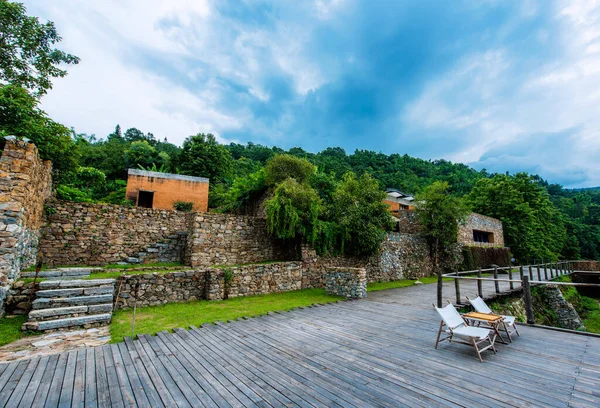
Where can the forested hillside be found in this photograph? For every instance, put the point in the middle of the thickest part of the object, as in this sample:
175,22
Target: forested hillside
541,221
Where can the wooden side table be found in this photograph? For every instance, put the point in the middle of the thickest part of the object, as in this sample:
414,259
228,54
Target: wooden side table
494,322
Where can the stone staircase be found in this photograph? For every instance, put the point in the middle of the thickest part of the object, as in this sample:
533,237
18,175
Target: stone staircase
60,274
62,301
170,250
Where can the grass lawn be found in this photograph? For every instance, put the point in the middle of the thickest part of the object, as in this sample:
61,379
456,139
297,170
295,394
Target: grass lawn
152,319
402,283
10,329
138,269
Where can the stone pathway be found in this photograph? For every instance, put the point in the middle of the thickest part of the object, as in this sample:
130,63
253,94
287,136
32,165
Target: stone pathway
53,343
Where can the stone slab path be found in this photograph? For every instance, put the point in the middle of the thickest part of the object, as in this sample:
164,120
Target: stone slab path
53,343
373,352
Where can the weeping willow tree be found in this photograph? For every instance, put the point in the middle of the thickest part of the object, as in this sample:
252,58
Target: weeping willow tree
293,212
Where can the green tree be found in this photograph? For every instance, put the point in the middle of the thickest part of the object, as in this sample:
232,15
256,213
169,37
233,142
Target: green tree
359,215
27,54
21,116
440,214
142,155
203,156
533,228
293,212
245,193
284,166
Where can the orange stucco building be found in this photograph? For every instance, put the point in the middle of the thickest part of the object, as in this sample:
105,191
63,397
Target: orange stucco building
152,189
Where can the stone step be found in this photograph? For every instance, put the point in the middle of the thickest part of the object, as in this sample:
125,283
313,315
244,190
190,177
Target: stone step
47,303
68,322
52,274
71,292
66,312
89,283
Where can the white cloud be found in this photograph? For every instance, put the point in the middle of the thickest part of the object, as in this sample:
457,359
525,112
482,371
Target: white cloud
109,86
104,89
496,104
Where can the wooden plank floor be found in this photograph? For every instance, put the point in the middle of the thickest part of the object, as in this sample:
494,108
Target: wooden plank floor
374,352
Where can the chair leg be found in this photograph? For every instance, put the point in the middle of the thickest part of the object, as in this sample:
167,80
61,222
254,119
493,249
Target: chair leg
516,330
437,341
474,343
492,344
507,332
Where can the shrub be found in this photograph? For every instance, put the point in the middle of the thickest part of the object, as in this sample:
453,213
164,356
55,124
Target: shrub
183,206
284,166
72,194
476,257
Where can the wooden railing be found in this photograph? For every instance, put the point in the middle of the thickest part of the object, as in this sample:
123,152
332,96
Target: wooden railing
545,273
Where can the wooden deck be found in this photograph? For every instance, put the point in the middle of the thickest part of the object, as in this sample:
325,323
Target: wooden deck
375,352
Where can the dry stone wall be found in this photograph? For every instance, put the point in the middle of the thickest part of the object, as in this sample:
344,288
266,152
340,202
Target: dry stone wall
252,280
402,256
350,283
151,289
99,234
25,183
408,223
218,239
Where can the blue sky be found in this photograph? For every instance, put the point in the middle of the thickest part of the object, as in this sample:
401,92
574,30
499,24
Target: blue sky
502,85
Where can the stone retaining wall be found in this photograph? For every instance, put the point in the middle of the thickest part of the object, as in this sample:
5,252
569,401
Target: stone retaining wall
159,288
25,183
562,313
402,256
408,223
350,283
219,239
17,299
99,234
252,280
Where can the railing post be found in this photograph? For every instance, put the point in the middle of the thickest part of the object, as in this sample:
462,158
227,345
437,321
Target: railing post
457,287
496,283
546,271
479,284
510,278
551,271
539,272
530,273
521,274
527,300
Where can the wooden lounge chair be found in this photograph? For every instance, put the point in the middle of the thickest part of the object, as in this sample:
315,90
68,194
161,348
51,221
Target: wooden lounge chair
508,321
459,332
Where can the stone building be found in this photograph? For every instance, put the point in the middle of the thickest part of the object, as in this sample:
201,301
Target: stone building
483,231
151,189
478,230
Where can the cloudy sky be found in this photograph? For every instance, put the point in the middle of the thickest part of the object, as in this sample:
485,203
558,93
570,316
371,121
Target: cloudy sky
497,84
